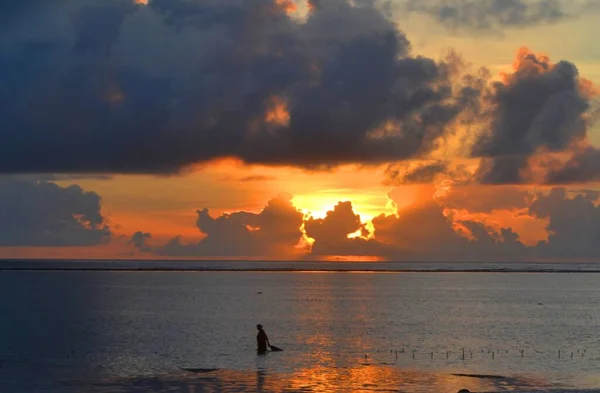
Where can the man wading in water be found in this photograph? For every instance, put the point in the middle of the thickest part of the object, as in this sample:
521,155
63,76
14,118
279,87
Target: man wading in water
262,339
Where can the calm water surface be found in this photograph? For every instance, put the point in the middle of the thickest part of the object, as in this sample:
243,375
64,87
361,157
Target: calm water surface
135,331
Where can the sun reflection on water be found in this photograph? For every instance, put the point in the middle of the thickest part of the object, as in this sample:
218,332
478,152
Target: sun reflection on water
316,379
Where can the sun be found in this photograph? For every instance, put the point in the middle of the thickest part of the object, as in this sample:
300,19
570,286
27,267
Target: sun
317,205
366,205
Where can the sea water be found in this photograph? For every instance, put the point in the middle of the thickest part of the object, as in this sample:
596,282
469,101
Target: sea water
130,331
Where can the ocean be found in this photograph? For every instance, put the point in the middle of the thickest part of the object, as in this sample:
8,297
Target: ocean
429,328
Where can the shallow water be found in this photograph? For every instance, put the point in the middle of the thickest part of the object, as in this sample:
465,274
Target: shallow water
134,331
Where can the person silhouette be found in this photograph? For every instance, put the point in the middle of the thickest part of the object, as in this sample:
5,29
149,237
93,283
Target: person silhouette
261,339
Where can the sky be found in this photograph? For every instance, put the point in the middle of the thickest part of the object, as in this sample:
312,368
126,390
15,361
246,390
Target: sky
401,130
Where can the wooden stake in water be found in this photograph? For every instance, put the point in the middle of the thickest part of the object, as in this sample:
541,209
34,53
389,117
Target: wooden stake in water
559,353
463,354
493,355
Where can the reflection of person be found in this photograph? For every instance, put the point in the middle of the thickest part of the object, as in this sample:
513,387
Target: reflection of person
262,339
260,380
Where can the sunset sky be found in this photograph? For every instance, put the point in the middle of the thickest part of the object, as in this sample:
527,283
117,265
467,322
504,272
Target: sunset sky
421,130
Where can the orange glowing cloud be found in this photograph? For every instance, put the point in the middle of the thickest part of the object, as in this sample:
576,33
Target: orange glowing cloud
528,61
277,113
141,2
288,6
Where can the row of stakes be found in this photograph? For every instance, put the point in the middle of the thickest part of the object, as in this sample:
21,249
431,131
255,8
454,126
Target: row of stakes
560,353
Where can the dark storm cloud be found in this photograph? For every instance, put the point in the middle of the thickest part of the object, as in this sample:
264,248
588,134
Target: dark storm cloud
98,25
494,15
45,214
11,12
539,106
125,88
504,170
582,167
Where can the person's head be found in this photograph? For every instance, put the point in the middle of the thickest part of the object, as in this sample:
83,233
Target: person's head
259,326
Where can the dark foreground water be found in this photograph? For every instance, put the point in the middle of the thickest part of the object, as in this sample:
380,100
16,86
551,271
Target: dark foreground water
74,331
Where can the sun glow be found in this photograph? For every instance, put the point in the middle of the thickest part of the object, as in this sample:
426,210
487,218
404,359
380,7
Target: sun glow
318,204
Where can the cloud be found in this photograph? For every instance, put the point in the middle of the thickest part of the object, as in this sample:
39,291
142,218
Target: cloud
441,232
423,229
98,24
40,214
337,225
486,199
539,108
331,234
248,179
448,228
139,241
574,224
12,12
415,174
60,177
530,127
162,86
496,15
582,167
430,234
275,231
110,86
256,178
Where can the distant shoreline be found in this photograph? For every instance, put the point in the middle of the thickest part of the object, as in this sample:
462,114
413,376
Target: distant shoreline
291,270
